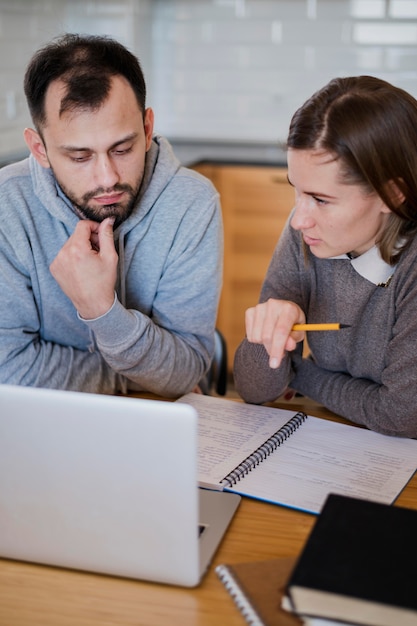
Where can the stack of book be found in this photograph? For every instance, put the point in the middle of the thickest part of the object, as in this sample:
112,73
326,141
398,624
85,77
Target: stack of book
358,566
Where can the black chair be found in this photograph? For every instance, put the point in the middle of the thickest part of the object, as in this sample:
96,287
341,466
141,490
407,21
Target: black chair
216,377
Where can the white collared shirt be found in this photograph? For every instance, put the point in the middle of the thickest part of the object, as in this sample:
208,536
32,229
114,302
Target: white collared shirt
371,266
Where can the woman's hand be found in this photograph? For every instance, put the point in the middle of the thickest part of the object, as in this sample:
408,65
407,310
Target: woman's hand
270,324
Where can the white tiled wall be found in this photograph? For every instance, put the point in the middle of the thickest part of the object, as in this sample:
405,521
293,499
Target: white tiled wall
219,69
238,69
25,25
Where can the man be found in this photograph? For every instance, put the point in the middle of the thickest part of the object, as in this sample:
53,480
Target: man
110,251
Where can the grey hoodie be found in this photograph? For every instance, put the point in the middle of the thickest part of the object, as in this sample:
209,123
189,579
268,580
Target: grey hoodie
158,336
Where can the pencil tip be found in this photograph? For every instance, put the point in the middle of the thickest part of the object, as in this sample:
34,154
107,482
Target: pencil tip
344,325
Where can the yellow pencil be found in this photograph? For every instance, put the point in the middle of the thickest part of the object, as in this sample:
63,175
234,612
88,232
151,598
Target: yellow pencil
319,326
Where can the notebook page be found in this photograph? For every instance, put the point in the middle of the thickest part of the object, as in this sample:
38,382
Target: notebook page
323,457
228,432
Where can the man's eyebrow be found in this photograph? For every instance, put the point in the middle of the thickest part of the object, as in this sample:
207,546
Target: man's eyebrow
119,142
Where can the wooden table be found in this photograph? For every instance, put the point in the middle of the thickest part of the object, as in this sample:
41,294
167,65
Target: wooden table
46,596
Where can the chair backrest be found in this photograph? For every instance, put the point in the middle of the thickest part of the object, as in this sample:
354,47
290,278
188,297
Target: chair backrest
218,368
216,377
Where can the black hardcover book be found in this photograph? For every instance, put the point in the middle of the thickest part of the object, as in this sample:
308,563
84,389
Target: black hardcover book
359,564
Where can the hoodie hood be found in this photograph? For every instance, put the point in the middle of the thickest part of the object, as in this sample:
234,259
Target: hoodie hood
161,165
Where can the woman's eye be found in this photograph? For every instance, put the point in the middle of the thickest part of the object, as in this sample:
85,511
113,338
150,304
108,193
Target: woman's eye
319,200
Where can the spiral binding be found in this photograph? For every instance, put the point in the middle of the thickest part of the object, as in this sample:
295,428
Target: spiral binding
261,453
239,598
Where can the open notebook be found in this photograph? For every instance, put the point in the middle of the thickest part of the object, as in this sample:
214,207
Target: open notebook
106,484
294,459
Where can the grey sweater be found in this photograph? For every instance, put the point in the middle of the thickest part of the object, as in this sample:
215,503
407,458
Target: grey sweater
159,334
366,373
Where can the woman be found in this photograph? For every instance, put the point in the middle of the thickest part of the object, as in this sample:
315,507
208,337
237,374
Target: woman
348,254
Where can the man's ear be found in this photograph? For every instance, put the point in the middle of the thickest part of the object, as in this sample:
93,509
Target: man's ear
36,146
148,126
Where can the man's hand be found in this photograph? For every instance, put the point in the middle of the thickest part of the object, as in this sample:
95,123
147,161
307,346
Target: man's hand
270,324
86,267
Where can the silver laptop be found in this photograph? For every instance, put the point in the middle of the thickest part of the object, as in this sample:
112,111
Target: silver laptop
106,484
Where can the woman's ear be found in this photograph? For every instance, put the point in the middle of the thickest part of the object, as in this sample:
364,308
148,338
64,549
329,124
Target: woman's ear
36,146
394,192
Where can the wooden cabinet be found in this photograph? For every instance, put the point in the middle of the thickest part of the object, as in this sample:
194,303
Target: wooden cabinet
256,201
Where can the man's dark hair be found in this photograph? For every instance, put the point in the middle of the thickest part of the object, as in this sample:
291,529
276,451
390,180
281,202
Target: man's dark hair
86,65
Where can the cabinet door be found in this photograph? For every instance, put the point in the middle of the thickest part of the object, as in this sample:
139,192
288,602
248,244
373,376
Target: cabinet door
256,201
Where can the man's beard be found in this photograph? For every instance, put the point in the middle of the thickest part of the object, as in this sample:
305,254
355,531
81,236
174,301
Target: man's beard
97,214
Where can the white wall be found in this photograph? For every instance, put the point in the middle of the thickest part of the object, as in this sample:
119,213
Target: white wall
219,69
238,69
25,25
